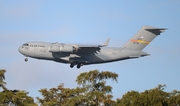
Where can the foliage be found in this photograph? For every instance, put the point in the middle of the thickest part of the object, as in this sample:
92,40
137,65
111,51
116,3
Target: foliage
153,97
59,96
2,78
13,97
97,92
92,91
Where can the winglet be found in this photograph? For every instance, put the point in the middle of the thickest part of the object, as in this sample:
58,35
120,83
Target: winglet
107,42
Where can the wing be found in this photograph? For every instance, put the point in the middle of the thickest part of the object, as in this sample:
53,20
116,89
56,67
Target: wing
90,48
85,54
60,47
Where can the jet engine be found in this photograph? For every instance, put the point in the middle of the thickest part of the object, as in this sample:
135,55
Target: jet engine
66,48
61,48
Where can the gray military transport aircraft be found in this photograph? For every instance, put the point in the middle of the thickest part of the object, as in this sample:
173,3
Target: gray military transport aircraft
78,54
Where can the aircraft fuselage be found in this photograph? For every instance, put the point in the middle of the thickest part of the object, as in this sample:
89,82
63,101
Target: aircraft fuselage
78,54
41,50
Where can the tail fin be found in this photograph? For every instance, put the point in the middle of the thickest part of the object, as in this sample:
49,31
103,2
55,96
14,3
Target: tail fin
143,37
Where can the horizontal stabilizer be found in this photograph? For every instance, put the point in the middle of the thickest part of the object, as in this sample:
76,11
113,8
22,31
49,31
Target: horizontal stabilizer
156,31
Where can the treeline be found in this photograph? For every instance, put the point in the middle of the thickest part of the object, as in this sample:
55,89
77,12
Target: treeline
92,90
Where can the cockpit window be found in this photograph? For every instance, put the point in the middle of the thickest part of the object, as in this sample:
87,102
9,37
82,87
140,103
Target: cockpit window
25,44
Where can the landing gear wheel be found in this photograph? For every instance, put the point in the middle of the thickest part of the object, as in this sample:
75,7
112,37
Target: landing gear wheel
26,59
78,65
71,65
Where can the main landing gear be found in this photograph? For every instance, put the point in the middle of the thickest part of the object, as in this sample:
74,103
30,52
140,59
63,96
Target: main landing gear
78,65
72,65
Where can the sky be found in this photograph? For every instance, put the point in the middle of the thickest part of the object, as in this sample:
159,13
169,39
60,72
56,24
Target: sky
89,22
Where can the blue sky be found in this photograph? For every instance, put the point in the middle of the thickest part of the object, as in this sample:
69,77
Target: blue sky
90,22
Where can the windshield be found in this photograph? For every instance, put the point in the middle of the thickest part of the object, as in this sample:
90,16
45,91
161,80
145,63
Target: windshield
25,44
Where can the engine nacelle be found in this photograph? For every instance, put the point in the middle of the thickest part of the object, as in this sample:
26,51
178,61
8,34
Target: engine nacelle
66,48
61,48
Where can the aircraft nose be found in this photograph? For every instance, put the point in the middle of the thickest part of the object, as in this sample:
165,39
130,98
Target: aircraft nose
20,49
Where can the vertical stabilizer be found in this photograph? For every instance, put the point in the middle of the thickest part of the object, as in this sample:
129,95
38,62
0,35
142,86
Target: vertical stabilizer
143,37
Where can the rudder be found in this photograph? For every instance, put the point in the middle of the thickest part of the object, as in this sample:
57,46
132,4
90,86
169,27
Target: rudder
143,37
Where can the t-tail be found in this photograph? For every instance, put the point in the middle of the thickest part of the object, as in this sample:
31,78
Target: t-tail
143,37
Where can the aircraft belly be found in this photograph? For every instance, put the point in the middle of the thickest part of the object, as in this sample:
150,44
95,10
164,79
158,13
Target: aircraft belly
94,58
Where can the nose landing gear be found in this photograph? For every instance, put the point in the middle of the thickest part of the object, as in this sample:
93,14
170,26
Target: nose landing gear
26,59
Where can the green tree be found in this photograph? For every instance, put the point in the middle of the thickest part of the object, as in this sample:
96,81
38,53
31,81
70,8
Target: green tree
13,97
174,99
153,97
156,96
61,96
2,78
131,98
16,98
92,91
96,90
